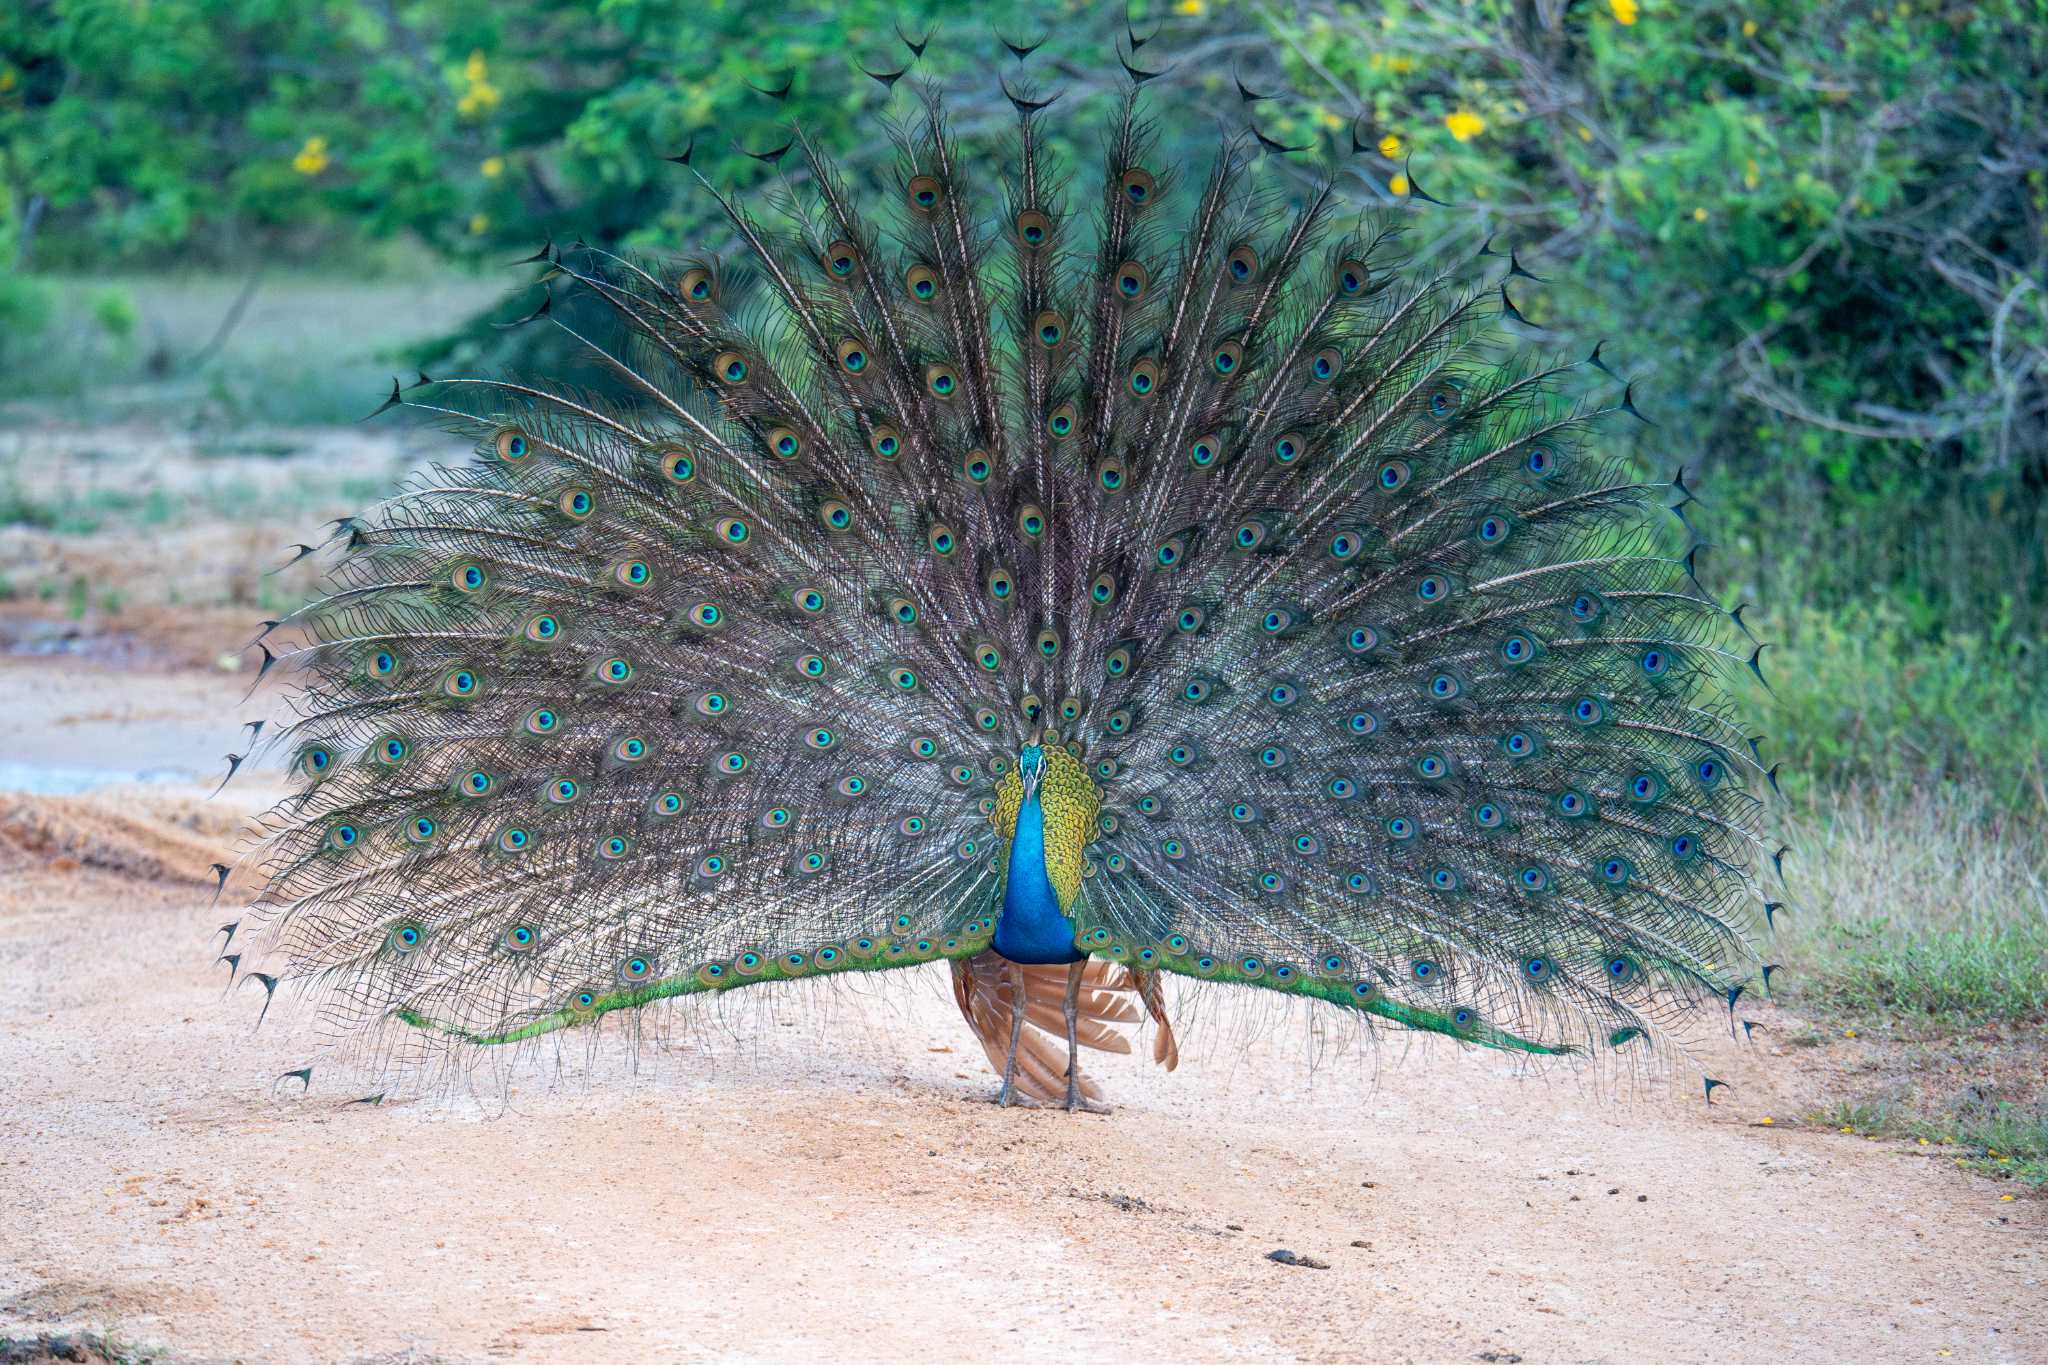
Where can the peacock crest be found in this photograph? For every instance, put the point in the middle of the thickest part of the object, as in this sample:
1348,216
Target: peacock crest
1338,658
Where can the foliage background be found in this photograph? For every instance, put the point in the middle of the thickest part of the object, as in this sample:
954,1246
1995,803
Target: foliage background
1814,234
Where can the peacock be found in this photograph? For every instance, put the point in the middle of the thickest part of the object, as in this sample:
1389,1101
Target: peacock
1079,582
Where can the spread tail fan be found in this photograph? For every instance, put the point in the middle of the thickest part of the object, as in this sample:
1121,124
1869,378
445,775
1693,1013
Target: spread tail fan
1143,556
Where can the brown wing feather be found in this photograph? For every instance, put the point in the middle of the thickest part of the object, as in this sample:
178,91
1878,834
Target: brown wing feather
981,986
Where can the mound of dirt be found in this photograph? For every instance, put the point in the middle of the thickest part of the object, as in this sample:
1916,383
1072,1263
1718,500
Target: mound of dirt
132,834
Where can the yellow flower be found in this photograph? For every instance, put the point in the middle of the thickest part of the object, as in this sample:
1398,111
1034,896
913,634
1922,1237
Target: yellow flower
1399,184
476,71
1767,1120
7,79
1700,216
1585,133
493,167
479,224
2005,1199
1464,125
1751,174
1329,120
1749,28
1624,11
312,158
1190,6
1401,65
477,99
1390,146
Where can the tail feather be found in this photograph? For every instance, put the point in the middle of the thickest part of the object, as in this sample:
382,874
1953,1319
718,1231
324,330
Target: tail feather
1391,689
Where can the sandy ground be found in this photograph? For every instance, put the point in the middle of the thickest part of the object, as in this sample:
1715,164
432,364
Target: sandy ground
824,1173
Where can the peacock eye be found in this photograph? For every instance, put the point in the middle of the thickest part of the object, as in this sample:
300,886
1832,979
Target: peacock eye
840,259
923,283
1227,358
1132,280
852,355
925,193
1242,264
886,441
731,367
1061,423
785,442
1138,186
1350,277
512,446
697,285
941,380
1144,377
1034,229
677,466
1050,328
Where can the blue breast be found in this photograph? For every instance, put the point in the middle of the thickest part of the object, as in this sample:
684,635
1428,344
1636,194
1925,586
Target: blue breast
1031,927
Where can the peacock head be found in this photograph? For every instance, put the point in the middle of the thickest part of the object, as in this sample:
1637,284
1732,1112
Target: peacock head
1031,769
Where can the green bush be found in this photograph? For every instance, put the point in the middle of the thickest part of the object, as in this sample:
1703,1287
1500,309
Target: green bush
1862,697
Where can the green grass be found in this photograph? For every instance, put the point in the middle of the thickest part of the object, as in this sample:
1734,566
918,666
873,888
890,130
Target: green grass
309,349
1920,923
1926,907
2005,1140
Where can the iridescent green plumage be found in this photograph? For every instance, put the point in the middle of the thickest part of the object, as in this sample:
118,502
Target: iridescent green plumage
1393,690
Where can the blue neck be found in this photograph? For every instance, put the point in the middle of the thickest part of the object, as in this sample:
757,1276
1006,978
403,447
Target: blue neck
1031,927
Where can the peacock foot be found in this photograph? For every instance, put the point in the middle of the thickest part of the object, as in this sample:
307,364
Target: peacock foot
1010,1097
1077,1103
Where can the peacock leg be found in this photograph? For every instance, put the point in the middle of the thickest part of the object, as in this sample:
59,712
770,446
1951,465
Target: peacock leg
1007,1094
1072,1010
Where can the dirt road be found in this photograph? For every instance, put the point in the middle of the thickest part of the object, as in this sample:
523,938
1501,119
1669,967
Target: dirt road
822,1173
